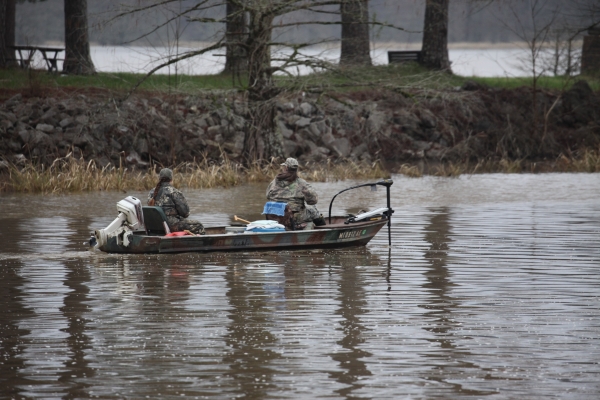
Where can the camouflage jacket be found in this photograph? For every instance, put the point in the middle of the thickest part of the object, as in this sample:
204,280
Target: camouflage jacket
171,200
294,193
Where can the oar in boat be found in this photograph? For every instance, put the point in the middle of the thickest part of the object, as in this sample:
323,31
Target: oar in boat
236,218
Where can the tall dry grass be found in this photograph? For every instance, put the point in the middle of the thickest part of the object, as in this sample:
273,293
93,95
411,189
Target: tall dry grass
69,174
587,160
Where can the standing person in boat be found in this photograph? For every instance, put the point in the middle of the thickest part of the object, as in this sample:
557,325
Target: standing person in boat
300,197
173,204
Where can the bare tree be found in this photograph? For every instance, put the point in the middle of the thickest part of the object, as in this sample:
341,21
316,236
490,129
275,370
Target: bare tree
561,26
356,46
265,54
7,33
77,46
533,26
434,52
236,60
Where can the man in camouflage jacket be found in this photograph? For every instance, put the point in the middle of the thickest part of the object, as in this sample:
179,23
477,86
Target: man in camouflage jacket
174,205
297,193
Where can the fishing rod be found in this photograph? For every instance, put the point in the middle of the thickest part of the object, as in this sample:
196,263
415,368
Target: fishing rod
384,182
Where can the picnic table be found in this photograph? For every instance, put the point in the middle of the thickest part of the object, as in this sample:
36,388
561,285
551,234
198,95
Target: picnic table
50,54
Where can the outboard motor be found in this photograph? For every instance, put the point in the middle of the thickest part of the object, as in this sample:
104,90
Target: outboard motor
130,218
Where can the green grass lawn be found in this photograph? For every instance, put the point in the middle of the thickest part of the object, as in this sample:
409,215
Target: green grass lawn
544,82
21,79
395,77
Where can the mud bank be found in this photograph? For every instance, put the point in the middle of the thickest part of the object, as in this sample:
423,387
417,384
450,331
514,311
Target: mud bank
468,123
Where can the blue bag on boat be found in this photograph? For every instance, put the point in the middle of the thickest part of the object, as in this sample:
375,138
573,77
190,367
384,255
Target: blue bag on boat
274,207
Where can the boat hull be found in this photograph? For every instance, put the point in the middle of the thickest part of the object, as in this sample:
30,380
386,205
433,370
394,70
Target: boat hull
329,236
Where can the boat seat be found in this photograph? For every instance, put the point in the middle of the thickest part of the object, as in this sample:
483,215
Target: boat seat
155,220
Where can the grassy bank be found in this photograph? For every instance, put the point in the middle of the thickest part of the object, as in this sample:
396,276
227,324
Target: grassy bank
73,175
70,175
545,82
395,77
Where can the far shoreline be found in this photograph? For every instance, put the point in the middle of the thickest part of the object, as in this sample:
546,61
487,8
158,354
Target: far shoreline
374,45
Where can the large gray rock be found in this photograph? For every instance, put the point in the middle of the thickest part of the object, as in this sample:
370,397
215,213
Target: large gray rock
66,122
115,145
213,131
35,138
306,109
291,148
82,119
5,124
408,122
45,128
283,129
428,120
84,141
239,139
50,117
303,122
342,146
13,101
359,150
327,139
375,122
8,116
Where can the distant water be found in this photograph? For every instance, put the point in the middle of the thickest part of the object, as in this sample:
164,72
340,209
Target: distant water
465,62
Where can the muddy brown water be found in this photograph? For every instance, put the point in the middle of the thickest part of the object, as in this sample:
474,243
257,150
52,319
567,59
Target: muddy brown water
490,290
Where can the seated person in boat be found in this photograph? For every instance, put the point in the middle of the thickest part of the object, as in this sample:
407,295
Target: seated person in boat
300,197
173,204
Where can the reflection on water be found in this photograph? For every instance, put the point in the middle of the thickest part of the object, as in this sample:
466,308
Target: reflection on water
12,334
446,358
490,289
351,298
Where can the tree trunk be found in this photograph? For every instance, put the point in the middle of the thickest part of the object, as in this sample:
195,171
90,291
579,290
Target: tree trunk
7,33
77,46
260,74
356,49
236,60
590,55
434,53
263,141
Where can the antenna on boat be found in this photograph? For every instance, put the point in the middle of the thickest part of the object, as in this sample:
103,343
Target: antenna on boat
384,182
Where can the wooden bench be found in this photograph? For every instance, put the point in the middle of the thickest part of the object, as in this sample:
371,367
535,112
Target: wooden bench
403,56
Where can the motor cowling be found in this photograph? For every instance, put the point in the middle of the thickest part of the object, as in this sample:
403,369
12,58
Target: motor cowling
129,219
132,208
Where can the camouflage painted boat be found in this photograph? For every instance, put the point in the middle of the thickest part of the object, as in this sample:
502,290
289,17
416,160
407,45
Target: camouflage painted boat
140,229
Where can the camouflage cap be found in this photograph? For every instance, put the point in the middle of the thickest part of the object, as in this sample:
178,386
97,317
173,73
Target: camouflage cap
291,163
166,173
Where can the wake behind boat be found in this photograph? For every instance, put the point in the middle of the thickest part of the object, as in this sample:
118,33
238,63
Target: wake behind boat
143,229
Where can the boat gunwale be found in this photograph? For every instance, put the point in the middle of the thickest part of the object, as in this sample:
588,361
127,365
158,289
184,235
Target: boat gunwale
324,228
